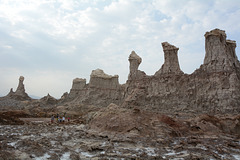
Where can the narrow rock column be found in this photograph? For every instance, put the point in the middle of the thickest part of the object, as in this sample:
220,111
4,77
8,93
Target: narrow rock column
20,89
171,64
134,61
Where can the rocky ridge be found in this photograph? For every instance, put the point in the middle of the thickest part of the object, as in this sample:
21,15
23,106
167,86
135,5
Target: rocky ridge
213,88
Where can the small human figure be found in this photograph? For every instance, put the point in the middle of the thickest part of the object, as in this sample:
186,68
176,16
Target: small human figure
52,119
63,119
60,119
68,119
57,116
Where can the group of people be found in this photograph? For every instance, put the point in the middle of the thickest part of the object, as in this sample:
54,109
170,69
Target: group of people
59,119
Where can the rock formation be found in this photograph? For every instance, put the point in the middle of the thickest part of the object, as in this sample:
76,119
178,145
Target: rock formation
99,79
20,93
220,53
48,99
171,64
213,88
78,88
101,90
135,61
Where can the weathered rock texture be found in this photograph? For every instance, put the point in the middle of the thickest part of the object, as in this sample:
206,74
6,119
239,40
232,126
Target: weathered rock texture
102,90
78,88
171,64
48,99
214,87
220,53
99,79
20,93
135,61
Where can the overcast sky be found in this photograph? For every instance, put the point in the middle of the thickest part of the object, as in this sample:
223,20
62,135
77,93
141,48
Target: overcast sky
51,42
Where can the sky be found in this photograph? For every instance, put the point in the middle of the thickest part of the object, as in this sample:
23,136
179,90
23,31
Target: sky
52,42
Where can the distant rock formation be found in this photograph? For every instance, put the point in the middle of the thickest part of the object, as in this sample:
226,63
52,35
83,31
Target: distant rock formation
48,99
20,93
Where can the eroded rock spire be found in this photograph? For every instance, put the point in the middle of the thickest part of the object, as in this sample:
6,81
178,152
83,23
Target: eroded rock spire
20,89
171,64
135,61
20,92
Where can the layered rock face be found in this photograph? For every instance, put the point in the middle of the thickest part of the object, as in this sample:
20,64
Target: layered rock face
220,53
78,88
20,93
99,79
214,87
102,90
